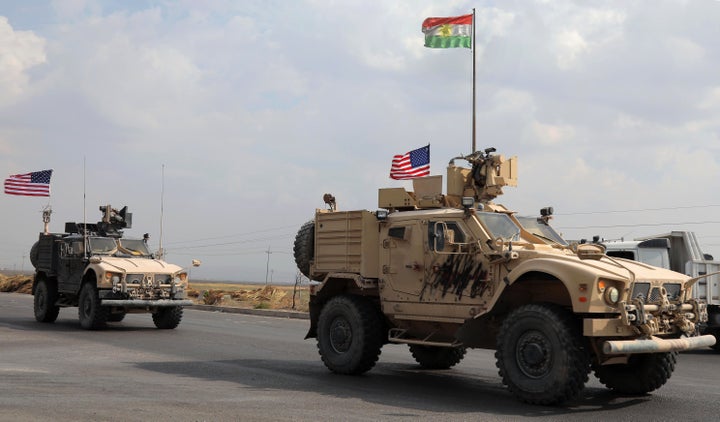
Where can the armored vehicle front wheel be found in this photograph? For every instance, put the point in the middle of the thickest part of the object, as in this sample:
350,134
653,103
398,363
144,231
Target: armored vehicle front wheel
642,374
540,355
434,357
168,318
91,314
349,334
44,301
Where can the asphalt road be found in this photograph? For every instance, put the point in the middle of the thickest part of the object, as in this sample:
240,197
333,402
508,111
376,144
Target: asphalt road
218,367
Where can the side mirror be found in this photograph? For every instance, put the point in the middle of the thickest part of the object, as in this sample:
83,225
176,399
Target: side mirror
436,237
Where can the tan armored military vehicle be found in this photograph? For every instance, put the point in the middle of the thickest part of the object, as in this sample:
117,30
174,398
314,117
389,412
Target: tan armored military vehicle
93,267
446,272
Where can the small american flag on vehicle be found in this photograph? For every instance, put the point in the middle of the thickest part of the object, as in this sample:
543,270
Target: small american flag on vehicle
410,165
36,183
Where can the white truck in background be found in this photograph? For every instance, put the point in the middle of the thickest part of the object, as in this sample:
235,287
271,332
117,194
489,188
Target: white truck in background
678,251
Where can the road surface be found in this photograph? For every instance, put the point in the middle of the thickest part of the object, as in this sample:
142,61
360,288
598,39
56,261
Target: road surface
218,367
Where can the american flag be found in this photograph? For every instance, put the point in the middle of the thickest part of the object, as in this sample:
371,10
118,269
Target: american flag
410,165
36,183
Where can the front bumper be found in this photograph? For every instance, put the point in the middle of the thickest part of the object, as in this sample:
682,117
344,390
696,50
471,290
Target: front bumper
142,303
656,345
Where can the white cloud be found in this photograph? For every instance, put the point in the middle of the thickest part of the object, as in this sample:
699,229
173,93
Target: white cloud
580,30
19,52
548,134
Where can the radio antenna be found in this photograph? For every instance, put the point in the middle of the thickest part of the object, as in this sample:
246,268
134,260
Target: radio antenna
161,252
85,240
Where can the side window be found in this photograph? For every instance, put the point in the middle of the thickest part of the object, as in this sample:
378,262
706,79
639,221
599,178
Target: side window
458,234
77,248
397,232
446,236
622,254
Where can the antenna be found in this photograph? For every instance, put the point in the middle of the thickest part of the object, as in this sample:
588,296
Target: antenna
161,252
85,241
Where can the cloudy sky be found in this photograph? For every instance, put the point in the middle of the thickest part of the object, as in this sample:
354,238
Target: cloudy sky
244,113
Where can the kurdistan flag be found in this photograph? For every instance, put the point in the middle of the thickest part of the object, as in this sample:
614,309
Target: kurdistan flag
449,32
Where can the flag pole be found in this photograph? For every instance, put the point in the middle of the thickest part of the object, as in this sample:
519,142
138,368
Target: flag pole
473,83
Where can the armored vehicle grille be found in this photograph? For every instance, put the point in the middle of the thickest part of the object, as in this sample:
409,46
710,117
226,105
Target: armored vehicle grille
640,291
645,294
673,291
655,295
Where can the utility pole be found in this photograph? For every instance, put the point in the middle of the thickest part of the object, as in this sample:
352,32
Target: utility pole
267,266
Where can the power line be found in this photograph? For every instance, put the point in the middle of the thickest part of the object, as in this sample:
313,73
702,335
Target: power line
239,242
638,210
233,235
639,225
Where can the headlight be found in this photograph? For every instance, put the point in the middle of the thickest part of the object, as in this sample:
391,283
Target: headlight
612,296
610,293
111,277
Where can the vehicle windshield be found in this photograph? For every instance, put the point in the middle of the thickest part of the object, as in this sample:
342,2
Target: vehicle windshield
500,225
539,228
117,247
102,245
136,247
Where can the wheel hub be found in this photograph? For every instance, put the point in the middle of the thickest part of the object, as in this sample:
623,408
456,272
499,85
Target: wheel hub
86,307
340,335
533,354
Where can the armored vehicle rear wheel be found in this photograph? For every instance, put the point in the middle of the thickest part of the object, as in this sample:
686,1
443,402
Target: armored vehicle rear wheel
304,247
642,374
349,334
44,301
434,357
168,318
91,314
540,355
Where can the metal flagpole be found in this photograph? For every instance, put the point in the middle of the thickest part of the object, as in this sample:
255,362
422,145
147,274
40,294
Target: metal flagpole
473,83
161,252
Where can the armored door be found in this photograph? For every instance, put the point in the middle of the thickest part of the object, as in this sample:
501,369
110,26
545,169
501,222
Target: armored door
71,266
404,263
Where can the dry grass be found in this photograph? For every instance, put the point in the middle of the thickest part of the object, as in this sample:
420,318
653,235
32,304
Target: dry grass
16,284
249,295
224,294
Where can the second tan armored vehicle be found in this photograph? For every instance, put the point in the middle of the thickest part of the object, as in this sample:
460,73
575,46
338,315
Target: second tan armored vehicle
105,275
447,272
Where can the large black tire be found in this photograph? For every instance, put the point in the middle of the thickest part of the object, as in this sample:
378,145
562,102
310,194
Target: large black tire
434,357
92,315
304,247
642,374
349,334
168,318
44,301
540,355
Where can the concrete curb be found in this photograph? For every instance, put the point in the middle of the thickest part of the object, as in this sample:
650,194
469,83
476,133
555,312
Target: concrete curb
261,312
